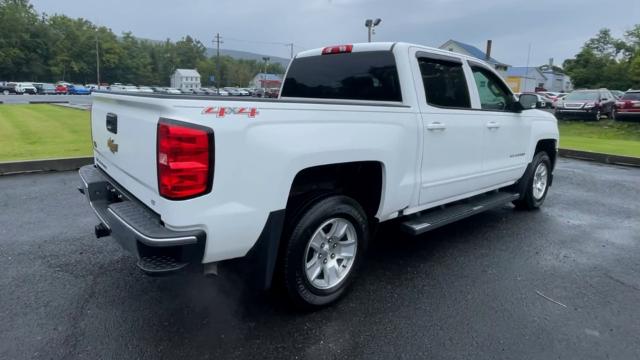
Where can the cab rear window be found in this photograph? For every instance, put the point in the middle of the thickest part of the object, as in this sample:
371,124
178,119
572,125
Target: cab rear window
370,75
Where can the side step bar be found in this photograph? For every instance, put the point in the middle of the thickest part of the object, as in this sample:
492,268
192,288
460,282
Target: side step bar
435,218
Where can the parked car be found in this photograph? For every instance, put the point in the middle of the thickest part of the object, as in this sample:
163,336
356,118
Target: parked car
173,91
186,91
45,89
559,97
233,91
78,90
424,157
617,93
272,93
208,91
199,92
591,104
223,92
628,106
8,88
61,89
159,90
22,88
145,89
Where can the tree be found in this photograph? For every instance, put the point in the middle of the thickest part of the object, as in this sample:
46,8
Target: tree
605,61
37,47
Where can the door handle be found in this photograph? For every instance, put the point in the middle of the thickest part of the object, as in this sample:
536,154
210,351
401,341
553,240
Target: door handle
493,125
436,126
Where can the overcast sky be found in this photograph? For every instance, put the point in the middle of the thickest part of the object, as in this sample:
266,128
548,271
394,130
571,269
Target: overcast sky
555,28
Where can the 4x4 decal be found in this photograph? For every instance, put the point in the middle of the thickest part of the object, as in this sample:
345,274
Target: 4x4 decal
222,111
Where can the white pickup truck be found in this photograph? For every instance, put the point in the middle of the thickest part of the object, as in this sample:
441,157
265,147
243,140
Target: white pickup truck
292,188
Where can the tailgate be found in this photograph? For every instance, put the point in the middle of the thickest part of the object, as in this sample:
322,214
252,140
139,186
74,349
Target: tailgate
124,140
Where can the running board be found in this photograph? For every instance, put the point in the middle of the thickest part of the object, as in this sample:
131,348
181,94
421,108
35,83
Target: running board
435,218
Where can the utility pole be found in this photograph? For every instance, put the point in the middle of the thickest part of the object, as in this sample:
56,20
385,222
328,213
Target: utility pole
217,41
97,62
291,47
266,65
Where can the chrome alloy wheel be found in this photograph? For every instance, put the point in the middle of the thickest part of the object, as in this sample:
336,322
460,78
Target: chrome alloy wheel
330,253
540,181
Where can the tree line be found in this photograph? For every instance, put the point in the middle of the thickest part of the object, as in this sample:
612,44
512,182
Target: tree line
43,48
607,61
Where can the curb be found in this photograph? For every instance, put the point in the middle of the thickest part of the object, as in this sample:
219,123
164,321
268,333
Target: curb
601,158
65,164
48,102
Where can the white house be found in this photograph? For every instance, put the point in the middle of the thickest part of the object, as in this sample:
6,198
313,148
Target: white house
266,81
557,80
525,79
185,79
470,50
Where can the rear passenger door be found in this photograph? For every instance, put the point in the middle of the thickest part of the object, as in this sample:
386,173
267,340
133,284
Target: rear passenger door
452,136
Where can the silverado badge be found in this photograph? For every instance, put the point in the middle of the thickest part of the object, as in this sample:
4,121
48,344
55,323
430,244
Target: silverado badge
112,145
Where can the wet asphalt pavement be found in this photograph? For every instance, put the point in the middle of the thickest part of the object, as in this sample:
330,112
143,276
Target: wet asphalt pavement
478,289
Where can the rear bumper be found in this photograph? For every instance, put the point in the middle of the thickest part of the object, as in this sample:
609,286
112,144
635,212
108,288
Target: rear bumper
138,229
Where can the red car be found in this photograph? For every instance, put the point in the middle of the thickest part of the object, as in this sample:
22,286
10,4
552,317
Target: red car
61,89
628,105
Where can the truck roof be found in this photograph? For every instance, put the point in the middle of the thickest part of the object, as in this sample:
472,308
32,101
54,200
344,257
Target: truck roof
386,46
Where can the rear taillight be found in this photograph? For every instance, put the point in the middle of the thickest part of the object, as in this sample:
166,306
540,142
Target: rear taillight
339,49
185,159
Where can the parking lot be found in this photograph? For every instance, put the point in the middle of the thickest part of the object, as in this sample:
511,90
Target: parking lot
563,282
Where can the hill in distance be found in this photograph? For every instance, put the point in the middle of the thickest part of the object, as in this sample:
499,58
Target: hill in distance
245,55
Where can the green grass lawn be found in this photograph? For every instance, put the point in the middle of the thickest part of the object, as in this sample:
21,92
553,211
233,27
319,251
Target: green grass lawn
604,136
30,132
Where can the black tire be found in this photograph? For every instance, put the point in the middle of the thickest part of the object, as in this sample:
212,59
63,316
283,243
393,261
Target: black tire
294,256
527,200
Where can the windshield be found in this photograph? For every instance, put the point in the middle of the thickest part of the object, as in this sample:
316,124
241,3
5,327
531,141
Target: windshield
582,96
631,96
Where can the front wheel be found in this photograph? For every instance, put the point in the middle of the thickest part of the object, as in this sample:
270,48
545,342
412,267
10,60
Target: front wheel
324,250
536,183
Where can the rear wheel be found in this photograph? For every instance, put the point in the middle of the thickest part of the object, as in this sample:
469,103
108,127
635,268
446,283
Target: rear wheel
536,183
324,250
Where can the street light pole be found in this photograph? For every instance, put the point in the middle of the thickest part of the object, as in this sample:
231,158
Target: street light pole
370,24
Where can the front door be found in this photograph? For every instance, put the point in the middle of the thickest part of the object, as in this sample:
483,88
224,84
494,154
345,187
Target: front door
506,132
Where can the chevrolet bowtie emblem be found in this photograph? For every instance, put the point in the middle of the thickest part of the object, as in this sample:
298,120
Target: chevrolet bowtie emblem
112,145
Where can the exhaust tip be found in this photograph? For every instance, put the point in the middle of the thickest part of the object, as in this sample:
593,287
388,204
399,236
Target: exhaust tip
102,230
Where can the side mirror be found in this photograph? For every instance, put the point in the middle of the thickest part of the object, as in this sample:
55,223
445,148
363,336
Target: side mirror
527,101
